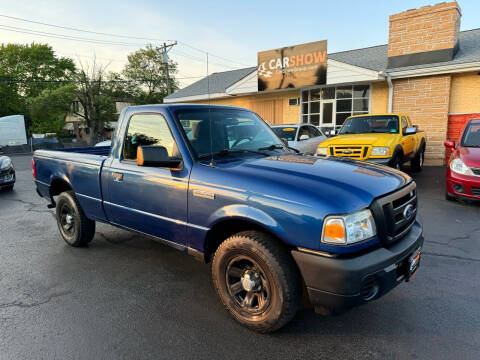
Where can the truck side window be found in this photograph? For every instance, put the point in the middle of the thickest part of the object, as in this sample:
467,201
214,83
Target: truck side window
404,124
148,129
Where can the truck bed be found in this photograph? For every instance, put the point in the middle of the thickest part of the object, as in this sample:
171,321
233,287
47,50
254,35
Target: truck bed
80,168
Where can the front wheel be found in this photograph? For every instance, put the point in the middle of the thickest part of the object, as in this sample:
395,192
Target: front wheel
76,229
417,162
257,281
396,162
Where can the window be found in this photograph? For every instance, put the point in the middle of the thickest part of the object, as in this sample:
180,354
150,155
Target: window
294,102
147,129
314,132
304,132
347,101
387,124
218,130
285,132
404,124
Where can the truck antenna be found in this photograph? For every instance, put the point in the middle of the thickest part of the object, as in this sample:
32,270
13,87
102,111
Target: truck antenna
212,162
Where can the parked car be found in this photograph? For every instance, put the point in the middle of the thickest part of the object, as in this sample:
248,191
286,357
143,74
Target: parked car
104,143
270,220
303,137
463,168
388,139
7,173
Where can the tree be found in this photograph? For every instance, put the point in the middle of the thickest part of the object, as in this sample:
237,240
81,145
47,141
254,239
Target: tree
146,75
98,105
26,71
50,108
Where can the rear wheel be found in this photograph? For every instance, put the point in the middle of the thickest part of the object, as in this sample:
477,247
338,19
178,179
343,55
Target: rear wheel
257,281
76,229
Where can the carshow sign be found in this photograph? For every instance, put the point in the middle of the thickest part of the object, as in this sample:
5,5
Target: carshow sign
293,66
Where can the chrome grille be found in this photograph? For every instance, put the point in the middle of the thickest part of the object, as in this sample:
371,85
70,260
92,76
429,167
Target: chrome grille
393,214
358,152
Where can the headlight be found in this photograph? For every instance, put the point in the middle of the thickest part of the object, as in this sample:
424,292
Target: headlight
380,151
348,229
322,151
6,164
459,167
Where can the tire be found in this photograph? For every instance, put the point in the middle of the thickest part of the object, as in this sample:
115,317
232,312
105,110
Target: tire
449,197
76,229
416,163
396,162
257,281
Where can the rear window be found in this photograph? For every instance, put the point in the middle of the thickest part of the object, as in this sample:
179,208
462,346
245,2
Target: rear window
287,132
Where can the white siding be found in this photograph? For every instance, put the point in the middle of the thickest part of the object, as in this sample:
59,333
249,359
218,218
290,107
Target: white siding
337,73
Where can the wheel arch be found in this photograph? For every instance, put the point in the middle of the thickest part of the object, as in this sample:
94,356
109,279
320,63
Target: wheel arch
59,185
226,227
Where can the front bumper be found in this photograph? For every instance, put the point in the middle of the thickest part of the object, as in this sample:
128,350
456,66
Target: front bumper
384,161
340,283
7,179
470,185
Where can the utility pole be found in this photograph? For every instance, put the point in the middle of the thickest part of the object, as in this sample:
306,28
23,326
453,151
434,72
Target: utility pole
165,50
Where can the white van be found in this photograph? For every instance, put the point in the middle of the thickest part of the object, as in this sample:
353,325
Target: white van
12,131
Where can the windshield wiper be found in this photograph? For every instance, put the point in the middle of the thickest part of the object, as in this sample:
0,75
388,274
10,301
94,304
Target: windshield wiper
226,152
272,147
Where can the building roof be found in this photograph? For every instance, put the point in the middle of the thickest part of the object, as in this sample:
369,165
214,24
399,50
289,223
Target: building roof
373,58
219,82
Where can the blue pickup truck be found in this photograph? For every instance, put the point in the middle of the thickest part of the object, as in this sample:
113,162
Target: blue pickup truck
217,183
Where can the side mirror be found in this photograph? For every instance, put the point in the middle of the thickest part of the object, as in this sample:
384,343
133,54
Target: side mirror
449,144
156,156
411,130
304,137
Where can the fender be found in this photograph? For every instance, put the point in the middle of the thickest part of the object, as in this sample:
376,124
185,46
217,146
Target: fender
247,213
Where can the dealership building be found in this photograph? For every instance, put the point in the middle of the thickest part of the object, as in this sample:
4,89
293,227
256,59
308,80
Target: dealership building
429,70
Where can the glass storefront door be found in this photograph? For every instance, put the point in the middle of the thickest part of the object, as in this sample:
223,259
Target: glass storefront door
328,121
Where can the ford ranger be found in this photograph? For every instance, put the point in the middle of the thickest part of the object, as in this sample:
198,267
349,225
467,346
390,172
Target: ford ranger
217,183
388,139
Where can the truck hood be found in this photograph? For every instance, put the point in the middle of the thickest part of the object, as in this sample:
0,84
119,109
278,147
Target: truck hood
345,185
360,139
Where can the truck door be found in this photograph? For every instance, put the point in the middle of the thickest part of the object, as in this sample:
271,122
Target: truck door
408,141
151,200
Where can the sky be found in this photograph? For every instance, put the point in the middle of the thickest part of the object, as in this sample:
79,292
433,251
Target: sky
232,32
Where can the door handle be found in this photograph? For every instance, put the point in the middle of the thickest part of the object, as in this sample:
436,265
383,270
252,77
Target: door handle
117,176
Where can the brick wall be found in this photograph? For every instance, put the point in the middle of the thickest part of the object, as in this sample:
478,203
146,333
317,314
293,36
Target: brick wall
425,29
426,101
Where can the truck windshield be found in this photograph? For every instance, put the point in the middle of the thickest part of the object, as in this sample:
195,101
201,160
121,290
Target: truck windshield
471,137
227,131
370,124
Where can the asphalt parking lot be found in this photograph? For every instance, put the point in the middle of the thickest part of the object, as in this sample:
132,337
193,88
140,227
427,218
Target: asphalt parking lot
126,296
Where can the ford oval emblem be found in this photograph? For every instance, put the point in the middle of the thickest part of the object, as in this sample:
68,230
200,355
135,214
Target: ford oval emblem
408,212
347,151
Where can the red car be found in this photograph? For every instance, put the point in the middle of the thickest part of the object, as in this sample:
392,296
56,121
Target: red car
463,170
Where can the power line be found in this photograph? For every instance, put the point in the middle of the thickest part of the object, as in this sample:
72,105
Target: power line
120,36
80,30
65,37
